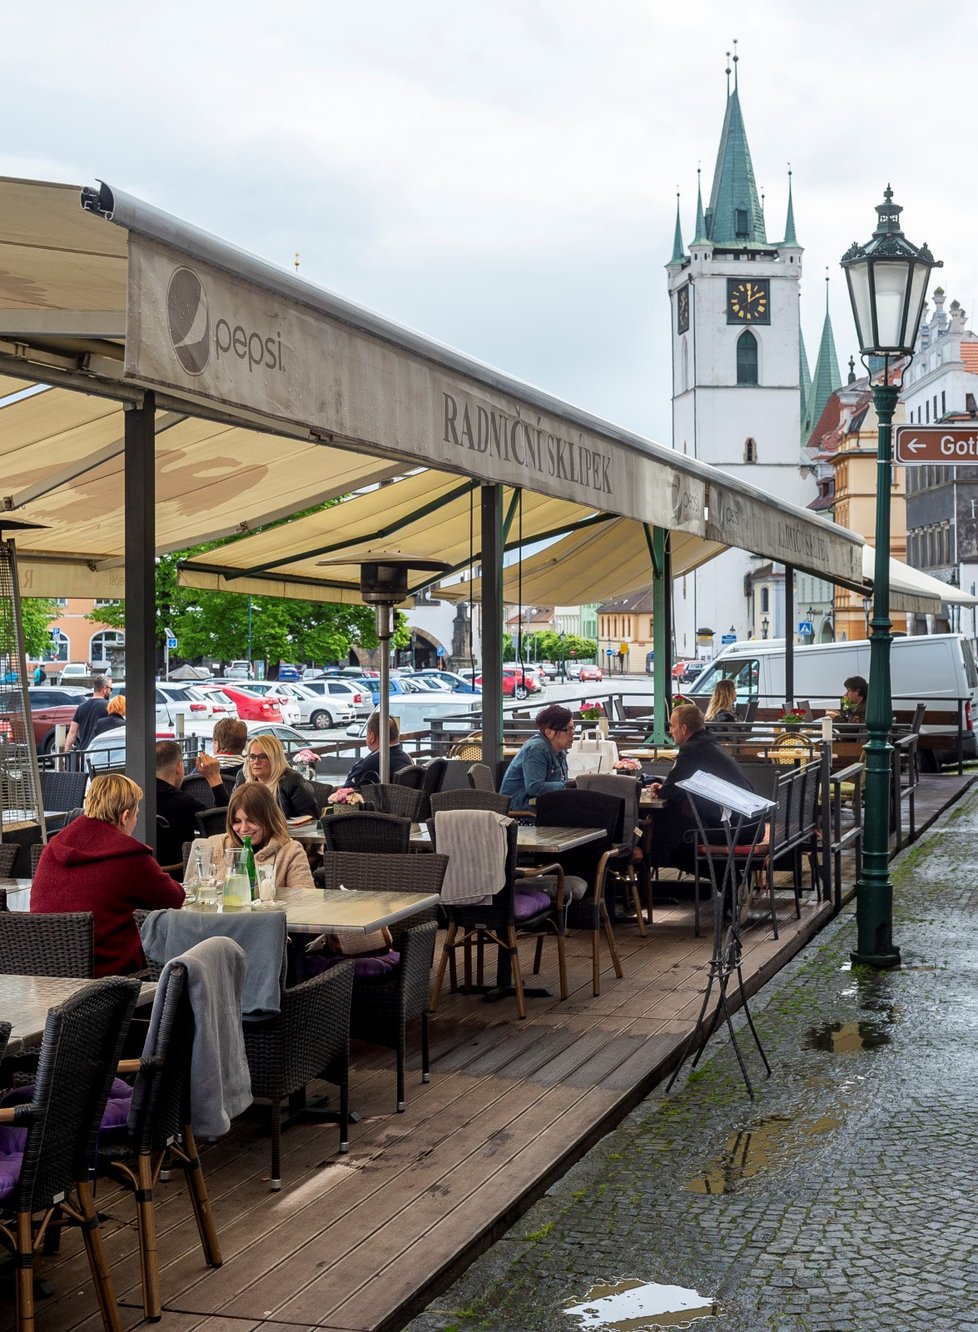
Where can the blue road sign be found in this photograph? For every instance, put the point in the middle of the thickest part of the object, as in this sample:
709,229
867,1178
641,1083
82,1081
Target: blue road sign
171,643
806,628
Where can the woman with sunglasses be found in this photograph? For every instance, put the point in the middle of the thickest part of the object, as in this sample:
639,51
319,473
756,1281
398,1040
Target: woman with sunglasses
266,763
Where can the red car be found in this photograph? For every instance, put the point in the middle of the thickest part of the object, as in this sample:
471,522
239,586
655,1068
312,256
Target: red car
516,681
253,707
591,673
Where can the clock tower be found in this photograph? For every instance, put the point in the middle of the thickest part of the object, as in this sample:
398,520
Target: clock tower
736,355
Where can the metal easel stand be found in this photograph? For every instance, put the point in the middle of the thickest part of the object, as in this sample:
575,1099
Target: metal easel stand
728,890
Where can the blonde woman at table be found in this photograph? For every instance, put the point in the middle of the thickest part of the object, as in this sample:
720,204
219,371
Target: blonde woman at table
723,702
95,864
266,764
253,812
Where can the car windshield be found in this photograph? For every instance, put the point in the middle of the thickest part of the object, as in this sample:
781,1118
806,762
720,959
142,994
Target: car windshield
745,673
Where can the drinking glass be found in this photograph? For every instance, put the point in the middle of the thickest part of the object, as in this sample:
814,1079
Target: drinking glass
237,884
266,882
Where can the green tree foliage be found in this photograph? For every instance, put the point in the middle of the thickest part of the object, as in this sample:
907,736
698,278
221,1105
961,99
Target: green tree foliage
37,616
214,625
546,645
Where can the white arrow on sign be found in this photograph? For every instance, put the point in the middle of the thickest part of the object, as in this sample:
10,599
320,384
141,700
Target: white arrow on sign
913,445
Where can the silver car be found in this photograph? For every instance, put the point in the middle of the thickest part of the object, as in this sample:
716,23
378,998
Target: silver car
334,695
321,709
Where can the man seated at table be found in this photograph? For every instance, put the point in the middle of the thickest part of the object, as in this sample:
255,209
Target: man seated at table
366,770
699,751
853,702
176,811
230,738
541,764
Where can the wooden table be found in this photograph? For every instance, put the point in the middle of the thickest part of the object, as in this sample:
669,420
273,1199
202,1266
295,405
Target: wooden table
316,911
25,1000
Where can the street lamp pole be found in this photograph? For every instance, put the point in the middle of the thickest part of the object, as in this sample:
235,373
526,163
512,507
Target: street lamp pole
887,279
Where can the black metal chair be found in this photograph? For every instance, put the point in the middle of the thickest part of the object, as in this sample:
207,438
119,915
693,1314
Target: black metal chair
621,867
310,1038
469,798
588,809
159,1127
367,831
383,1006
79,1053
56,944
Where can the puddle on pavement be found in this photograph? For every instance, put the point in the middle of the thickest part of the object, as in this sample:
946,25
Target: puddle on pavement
631,1306
847,1037
770,1142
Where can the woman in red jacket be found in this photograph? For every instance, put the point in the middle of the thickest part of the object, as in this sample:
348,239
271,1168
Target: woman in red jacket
95,864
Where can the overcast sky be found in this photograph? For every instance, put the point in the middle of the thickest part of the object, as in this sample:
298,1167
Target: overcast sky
502,175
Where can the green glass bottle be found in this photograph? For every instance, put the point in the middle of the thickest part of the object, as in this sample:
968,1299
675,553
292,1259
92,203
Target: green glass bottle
252,872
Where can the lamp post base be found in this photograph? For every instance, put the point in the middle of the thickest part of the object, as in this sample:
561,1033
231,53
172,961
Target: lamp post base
881,961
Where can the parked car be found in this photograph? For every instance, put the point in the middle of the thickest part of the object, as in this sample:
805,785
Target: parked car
195,722
287,673
192,701
74,672
335,695
453,680
281,696
572,669
239,670
108,748
252,707
50,707
516,682
692,671
590,673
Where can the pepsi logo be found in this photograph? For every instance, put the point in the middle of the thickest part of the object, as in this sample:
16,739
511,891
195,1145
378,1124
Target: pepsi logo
188,317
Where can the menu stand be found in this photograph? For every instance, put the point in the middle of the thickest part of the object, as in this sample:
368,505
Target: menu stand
742,822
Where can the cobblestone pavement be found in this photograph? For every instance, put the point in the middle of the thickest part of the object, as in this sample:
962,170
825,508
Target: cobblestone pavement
843,1198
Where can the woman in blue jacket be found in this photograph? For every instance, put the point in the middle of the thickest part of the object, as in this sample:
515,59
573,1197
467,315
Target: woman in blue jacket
541,765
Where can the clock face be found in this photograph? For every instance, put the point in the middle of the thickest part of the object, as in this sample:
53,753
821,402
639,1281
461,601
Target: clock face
748,301
682,309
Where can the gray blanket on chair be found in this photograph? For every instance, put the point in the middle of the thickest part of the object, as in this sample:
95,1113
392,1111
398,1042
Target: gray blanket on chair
166,934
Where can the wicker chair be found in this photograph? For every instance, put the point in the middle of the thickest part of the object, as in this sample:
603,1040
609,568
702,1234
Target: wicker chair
621,868
322,792
588,809
79,1053
4,1037
500,921
469,748
61,791
383,1007
480,777
391,798
310,1038
159,1126
58,944
198,787
36,849
367,831
469,798
212,821
9,851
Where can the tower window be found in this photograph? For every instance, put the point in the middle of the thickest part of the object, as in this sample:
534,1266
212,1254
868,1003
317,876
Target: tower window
750,450
741,221
746,358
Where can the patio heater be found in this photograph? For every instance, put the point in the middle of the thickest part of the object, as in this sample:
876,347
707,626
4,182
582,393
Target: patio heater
21,808
887,280
383,584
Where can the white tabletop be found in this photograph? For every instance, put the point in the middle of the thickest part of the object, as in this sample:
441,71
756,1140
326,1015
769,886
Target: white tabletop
531,838
316,911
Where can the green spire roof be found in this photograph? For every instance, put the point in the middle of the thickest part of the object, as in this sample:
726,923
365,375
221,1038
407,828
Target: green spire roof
804,381
826,378
734,217
700,233
678,253
789,226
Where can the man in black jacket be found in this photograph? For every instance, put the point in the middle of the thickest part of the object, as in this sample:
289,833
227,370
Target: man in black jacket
366,770
176,811
699,751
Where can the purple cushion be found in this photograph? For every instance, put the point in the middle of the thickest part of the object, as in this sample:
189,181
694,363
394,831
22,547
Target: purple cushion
117,1106
530,904
10,1163
371,966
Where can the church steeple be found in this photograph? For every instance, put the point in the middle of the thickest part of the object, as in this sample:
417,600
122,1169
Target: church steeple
678,251
700,236
826,378
735,217
789,226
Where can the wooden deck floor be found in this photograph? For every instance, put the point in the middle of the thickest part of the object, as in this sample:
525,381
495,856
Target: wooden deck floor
360,1241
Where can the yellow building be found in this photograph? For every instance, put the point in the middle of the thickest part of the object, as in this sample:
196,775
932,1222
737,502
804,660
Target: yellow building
625,626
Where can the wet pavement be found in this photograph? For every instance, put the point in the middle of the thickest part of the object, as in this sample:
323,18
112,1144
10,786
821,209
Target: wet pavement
843,1198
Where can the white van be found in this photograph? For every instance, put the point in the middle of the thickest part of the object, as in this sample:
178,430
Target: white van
938,669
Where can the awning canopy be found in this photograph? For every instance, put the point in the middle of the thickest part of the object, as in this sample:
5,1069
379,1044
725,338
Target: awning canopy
914,591
272,396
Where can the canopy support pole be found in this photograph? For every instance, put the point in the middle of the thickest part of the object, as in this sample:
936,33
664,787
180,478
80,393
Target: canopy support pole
140,593
789,637
658,542
492,624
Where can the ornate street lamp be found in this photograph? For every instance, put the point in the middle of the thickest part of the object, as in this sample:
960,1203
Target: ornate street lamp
887,280
765,625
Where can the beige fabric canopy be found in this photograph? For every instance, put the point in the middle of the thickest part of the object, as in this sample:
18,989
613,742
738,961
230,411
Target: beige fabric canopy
912,589
328,400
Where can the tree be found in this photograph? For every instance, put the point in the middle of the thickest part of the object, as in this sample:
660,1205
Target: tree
37,615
